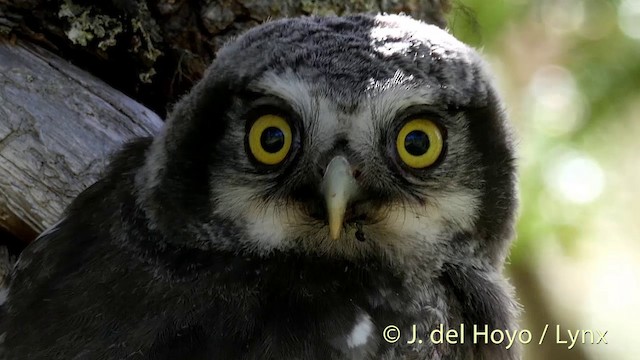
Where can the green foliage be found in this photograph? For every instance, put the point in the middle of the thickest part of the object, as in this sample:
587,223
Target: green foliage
479,23
583,38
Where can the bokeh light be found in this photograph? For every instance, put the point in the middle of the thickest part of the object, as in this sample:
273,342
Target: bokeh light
629,18
570,74
575,177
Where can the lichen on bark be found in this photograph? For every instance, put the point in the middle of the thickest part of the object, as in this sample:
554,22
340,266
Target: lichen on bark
85,26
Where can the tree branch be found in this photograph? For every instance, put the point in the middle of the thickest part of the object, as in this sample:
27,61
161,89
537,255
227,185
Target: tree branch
58,124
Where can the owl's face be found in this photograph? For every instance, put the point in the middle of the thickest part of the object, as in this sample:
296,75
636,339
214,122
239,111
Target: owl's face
350,137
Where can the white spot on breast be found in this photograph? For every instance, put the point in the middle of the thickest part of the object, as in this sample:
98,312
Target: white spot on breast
361,332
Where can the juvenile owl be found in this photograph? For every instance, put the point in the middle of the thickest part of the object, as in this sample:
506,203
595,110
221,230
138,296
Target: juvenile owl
333,188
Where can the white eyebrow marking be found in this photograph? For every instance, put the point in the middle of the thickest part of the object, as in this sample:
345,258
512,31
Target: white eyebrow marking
317,111
389,102
289,87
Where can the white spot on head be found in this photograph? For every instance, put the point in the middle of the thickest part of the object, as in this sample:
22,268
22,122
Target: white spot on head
361,332
416,31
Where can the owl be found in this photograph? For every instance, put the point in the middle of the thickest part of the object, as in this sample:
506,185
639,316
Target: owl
333,188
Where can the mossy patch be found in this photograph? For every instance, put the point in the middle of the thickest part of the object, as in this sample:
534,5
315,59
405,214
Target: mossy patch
86,27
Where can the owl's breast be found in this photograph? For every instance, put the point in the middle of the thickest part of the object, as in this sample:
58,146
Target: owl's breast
285,308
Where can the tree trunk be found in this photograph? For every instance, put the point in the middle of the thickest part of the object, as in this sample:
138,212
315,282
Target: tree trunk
58,124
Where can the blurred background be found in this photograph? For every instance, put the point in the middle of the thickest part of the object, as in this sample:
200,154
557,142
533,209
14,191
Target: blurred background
570,73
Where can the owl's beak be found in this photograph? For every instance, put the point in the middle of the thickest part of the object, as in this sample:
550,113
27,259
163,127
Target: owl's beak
339,187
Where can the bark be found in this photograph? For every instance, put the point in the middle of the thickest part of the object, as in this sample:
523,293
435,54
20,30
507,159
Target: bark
58,124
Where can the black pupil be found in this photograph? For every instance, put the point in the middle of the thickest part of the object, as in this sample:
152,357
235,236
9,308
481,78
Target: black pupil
416,143
272,139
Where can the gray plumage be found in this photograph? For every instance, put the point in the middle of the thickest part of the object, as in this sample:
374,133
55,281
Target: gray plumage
190,248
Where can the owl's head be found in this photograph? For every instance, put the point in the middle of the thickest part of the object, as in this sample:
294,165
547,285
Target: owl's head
353,137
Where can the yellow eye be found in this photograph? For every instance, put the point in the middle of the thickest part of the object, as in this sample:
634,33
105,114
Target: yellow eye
270,139
419,143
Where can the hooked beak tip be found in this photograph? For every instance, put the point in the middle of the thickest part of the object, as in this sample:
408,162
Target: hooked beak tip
335,227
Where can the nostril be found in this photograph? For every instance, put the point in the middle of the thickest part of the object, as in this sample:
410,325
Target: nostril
357,173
